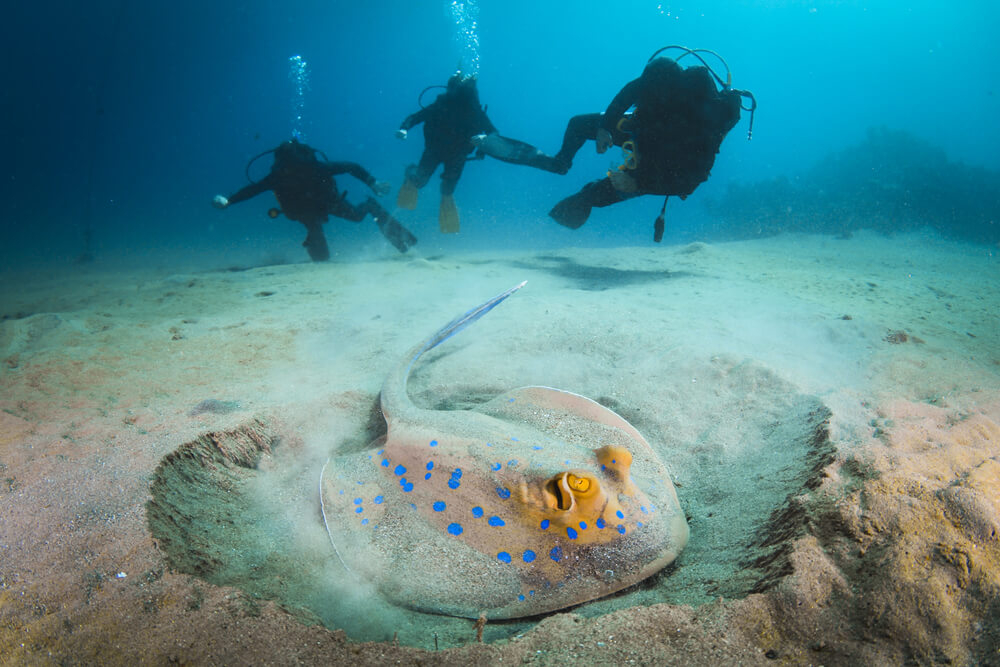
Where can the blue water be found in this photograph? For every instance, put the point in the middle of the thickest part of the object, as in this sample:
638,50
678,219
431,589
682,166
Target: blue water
124,119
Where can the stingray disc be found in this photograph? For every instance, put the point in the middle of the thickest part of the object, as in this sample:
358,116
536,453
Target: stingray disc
535,501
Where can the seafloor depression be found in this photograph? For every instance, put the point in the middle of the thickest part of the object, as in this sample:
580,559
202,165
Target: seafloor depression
240,508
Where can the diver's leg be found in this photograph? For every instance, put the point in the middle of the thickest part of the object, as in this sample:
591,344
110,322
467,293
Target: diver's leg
573,211
416,177
518,152
581,129
315,243
394,232
578,130
342,208
448,221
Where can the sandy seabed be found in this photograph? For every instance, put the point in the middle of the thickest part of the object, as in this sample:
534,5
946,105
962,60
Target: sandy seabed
829,410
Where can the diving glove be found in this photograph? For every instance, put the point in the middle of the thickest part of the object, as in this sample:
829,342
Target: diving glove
381,188
400,133
220,202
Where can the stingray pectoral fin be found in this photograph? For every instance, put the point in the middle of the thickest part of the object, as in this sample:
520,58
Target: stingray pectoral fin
352,506
536,405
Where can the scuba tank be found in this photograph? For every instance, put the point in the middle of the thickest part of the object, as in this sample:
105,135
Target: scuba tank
629,151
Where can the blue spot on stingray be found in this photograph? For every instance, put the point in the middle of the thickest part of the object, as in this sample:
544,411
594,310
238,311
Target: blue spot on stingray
556,553
407,487
455,529
357,501
545,524
621,529
604,467
583,525
359,510
495,466
489,444
495,521
531,592
457,474
427,476
379,452
503,493
378,500
359,483
438,506
477,512
430,465
619,514
341,492
454,483
512,463
528,556
644,510
385,463
434,443
400,470
536,447
600,523
514,439
511,400
364,522
613,461
503,557
639,524
521,598
571,533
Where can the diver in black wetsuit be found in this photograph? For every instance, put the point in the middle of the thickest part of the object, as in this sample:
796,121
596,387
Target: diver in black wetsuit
450,122
307,193
670,140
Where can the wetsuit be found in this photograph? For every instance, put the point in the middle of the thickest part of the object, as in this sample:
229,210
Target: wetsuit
450,122
307,192
678,125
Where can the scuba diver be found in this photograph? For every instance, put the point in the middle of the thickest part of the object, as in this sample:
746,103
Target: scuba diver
450,122
669,140
306,191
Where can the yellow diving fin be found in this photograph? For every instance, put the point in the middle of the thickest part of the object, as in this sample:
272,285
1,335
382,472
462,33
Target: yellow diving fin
407,197
448,215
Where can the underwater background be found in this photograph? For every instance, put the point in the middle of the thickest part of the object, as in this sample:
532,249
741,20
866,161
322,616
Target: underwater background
124,119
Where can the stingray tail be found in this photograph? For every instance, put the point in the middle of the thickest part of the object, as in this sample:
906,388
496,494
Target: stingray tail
462,321
394,390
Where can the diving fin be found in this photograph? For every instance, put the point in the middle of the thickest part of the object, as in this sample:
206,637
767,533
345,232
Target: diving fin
407,197
394,232
448,215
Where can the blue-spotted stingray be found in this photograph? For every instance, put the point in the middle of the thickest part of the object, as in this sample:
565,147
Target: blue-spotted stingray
534,501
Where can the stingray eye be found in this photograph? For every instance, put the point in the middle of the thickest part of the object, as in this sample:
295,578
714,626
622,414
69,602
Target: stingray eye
582,485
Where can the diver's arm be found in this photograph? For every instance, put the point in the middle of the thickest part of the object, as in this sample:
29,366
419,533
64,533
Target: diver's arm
251,190
414,119
358,172
625,99
485,124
